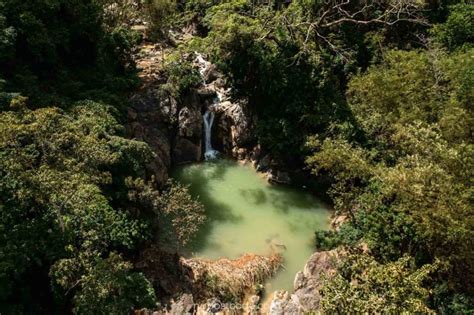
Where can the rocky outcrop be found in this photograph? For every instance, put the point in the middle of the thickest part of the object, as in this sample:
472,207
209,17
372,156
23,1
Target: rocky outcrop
234,126
188,141
149,120
278,177
174,129
184,305
186,151
306,297
189,123
234,123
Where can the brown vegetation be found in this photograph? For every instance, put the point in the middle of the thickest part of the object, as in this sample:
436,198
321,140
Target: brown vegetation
228,278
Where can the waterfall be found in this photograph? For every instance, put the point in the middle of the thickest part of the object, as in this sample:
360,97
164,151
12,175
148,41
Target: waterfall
203,65
208,117
210,153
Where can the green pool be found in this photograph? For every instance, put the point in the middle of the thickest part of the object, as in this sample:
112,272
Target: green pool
248,215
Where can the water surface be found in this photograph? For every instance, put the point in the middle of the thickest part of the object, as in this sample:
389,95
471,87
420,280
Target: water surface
248,215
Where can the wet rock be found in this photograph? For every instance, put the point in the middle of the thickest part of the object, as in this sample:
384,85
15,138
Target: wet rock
299,281
255,154
239,153
279,177
220,83
206,92
264,163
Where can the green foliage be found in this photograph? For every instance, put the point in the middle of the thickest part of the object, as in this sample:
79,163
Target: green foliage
180,73
161,15
108,284
364,286
440,86
53,167
76,202
458,30
178,215
117,14
291,61
287,90
194,11
58,51
73,200
383,97
408,189
186,214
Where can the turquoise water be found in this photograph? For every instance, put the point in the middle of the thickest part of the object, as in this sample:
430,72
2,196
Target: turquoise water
245,214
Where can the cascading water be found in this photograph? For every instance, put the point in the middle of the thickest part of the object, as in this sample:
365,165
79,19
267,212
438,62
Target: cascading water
210,153
209,115
203,65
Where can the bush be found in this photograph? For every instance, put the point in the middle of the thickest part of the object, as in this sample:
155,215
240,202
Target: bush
160,15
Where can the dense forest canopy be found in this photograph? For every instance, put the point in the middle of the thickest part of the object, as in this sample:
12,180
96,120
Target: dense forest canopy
377,96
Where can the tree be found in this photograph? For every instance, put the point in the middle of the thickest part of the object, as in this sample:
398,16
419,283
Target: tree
53,168
106,285
58,52
364,286
406,189
323,22
178,215
458,29
161,14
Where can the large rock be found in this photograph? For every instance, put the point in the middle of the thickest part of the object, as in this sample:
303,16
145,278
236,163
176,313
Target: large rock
306,297
234,124
190,123
278,177
283,304
186,151
211,74
149,119
234,130
188,142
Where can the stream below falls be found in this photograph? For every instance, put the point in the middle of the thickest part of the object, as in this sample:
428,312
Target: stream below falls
245,214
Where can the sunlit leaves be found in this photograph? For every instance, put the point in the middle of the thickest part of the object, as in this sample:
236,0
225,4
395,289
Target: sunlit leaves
54,166
365,286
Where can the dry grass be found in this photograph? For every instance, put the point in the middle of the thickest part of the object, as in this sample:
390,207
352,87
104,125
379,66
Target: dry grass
229,279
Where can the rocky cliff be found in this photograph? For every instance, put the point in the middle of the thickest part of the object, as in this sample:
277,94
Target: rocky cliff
173,127
306,297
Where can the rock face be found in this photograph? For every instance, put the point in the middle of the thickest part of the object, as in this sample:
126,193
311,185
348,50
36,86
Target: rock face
305,297
232,277
185,151
188,141
234,123
190,123
149,118
174,129
235,126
